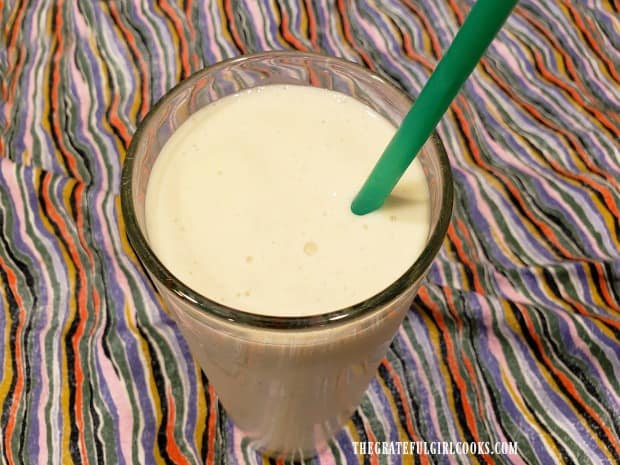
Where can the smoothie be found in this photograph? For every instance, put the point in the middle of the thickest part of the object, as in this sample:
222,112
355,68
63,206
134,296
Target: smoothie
248,203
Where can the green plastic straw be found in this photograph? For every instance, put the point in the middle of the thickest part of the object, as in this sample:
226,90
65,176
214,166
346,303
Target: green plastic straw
480,27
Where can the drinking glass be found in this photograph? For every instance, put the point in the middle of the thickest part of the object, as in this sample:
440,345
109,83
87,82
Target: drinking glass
289,383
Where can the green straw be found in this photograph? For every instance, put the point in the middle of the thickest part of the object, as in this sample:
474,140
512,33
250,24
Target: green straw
480,27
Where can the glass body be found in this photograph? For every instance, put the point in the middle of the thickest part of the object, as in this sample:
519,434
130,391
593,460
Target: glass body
289,383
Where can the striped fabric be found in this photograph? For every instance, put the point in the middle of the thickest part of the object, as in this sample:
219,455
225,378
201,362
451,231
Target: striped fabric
514,338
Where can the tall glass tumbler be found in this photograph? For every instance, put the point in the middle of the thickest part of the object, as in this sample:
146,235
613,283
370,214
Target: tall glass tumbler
289,383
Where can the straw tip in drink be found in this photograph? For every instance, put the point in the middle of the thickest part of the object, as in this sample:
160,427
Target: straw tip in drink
362,204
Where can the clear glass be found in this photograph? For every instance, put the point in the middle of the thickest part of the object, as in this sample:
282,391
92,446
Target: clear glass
289,383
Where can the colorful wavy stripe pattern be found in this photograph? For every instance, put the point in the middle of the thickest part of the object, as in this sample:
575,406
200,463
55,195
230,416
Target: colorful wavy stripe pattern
516,335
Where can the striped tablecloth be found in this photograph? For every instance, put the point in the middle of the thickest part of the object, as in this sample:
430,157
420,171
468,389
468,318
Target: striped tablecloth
514,338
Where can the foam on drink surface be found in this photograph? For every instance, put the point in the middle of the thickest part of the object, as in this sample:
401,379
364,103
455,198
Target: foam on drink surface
249,203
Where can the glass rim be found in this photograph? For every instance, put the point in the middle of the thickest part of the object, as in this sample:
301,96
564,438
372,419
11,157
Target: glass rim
154,266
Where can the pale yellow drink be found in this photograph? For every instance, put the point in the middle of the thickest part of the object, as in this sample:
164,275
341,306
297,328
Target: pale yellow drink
249,201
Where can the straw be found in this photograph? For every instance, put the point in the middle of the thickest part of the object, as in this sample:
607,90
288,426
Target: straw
480,27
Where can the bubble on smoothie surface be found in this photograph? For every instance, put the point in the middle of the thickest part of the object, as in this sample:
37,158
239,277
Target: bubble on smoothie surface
249,259
310,248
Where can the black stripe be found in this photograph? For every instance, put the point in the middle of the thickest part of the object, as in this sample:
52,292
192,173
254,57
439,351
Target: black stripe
551,283
160,391
204,440
356,418
398,401
13,310
609,274
55,70
97,424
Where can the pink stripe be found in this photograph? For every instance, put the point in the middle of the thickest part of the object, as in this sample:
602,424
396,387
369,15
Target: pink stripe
259,24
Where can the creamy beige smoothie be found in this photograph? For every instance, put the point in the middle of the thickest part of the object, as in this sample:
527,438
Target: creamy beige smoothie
248,204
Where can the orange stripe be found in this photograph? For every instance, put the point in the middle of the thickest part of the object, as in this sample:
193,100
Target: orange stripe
192,31
79,219
291,39
565,382
450,248
211,426
233,27
534,112
312,25
557,47
79,333
178,28
401,392
19,375
286,33
79,379
16,30
172,447
374,458
428,28
116,121
411,53
57,128
468,367
460,16
8,89
346,27
462,254
142,80
96,298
